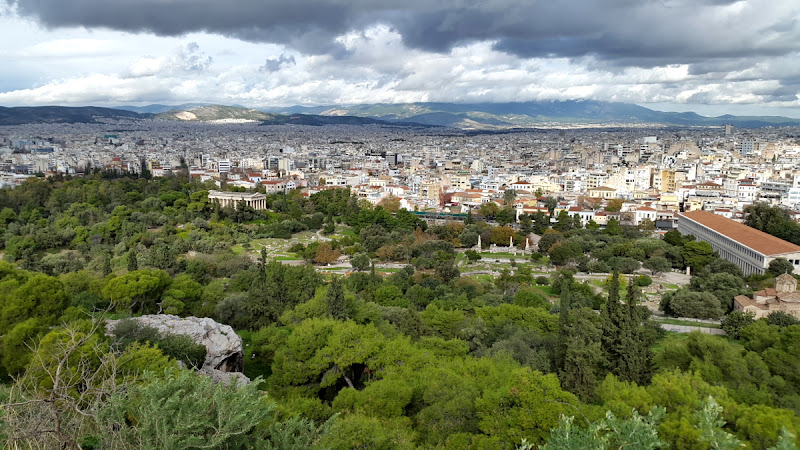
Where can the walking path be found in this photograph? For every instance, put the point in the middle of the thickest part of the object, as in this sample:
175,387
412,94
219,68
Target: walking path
688,329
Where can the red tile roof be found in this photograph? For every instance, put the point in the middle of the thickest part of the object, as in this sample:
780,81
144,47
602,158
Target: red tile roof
759,241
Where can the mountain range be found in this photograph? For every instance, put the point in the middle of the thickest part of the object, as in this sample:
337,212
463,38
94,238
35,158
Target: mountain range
533,114
486,116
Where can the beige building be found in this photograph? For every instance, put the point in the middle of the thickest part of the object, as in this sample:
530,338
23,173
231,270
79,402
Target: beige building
784,298
603,192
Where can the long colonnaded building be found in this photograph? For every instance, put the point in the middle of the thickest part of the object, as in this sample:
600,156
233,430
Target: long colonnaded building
750,249
233,199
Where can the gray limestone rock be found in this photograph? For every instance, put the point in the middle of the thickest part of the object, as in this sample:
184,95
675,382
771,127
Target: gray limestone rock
223,346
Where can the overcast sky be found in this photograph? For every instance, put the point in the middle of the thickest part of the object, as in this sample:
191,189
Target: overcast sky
709,56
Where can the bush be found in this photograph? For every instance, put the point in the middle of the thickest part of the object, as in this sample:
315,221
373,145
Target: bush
537,256
781,319
180,347
183,348
472,255
542,280
735,321
643,280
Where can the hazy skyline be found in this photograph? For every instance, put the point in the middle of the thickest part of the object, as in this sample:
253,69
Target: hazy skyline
709,56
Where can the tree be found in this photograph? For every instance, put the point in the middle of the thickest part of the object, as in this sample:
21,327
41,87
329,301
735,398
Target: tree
550,203
138,290
70,377
505,216
564,252
133,263
360,262
657,265
502,235
549,239
696,254
489,210
508,196
529,407
781,319
326,254
563,222
614,205
735,321
469,220
390,203
541,222
335,302
684,303
582,354
780,266
613,227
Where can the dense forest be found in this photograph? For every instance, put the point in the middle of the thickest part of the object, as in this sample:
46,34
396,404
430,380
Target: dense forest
421,356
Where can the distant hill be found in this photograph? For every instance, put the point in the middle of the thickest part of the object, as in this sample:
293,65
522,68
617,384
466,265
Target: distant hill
475,116
158,108
219,114
59,114
532,114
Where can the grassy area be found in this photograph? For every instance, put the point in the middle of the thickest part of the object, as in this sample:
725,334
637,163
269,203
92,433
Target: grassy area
346,231
545,290
688,323
387,269
670,338
237,249
490,255
287,258
252,367
459,257
482,277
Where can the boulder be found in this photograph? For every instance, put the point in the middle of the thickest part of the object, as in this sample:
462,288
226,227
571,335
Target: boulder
225,378
223,346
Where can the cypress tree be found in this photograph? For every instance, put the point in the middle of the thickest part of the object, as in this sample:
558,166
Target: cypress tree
133,263
335,301
578,346
616,330
563,322
626,342
107,269
640,354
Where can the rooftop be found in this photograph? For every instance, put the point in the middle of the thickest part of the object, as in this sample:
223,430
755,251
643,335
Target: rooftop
759,241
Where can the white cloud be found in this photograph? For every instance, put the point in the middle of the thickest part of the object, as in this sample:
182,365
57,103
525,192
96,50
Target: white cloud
78,67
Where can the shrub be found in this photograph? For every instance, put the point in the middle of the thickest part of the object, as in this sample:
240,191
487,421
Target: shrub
180,347
542,280
735,321
781,319
643,280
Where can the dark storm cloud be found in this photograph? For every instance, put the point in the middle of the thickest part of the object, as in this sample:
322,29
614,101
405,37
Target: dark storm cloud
275,64
622,32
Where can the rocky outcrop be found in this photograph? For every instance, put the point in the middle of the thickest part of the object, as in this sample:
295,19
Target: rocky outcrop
223,346
225,378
